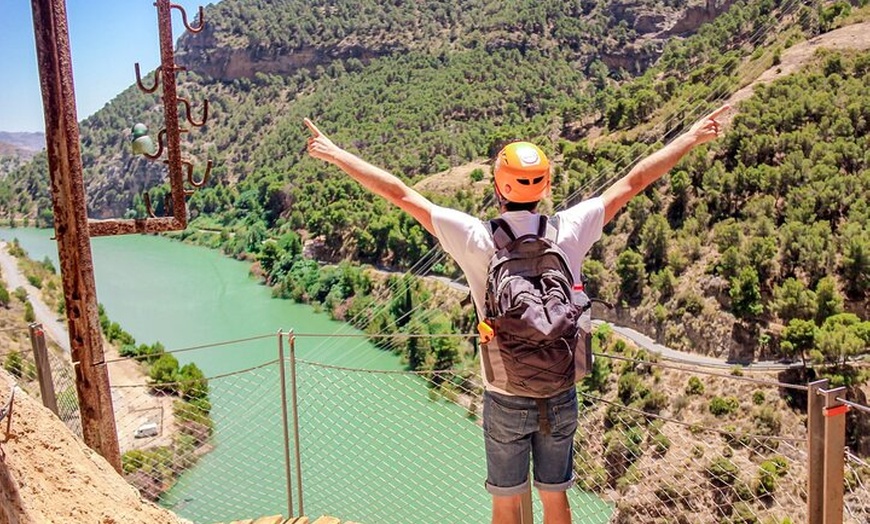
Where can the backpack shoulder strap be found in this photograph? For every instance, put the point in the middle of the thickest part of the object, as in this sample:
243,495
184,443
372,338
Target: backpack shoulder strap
502,235
549,228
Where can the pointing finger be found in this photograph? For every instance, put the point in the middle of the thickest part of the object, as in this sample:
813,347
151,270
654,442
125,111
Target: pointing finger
719,111
311,127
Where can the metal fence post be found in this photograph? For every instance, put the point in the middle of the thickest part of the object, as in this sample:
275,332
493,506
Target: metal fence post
835,456
43,367
295,398
286,424
816,450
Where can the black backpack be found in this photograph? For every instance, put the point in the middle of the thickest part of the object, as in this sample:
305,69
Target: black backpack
536,347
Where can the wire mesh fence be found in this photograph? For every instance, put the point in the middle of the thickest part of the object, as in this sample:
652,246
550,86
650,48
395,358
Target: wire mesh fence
21,364
857,500
64,380
656,442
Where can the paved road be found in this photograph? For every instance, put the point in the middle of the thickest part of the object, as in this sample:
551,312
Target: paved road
690,358
54,328
665,352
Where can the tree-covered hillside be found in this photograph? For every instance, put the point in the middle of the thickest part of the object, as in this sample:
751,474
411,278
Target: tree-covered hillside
768,227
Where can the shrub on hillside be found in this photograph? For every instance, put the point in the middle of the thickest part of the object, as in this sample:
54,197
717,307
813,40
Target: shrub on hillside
660,445
767,420
723,472
35,281
622,449
4,296
14,364
695,386
723,406
758,398
29,315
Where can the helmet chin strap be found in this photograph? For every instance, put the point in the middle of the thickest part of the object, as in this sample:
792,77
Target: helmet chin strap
502,201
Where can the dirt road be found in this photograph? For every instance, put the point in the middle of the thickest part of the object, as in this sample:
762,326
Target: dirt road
856,37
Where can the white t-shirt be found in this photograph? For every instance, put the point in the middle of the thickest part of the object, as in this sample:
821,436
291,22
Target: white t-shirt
469,242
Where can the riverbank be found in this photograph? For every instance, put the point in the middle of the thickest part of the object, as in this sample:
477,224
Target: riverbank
133,404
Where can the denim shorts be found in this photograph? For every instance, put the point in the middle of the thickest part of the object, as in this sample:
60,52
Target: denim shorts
512,433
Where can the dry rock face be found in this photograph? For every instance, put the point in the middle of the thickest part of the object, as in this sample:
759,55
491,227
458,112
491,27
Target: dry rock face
229,57
49,475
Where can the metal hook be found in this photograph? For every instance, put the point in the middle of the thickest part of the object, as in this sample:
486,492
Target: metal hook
161,138
146,197
184,18
142,86
190,180
201,123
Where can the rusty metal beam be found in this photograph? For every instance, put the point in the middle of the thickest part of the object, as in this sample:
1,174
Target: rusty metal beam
169,138
102,228
71,228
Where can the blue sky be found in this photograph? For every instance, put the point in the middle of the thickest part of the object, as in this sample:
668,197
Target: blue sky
106,38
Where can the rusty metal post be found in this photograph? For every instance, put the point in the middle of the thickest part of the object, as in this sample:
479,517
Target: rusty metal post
816,451
170,111
71,227
835,455
43,367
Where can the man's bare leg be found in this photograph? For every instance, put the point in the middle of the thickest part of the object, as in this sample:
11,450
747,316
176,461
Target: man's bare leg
556,508
506,510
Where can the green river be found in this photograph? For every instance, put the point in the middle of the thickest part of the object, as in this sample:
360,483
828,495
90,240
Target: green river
186,296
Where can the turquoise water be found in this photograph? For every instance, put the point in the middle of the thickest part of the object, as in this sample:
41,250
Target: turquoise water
375,447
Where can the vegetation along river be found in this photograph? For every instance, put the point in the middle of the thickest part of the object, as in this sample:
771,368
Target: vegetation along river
186,296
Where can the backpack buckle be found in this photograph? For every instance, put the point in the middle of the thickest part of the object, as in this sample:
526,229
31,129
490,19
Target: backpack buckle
486,332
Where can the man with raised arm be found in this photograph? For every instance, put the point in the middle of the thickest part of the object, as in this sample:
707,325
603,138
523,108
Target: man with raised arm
518,427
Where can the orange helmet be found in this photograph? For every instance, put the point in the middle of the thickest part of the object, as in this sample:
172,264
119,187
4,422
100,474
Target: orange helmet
522,173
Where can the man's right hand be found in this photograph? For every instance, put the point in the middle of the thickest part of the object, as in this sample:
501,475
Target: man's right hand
707,128
319,145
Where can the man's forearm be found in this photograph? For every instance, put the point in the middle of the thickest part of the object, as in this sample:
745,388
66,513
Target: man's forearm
386,185
645,173
659,163
373,178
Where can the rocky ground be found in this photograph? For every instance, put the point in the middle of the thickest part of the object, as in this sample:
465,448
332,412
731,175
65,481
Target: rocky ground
48,475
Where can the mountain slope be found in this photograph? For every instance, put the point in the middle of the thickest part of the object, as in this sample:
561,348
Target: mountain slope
31,142
282,37
436,87
18,148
